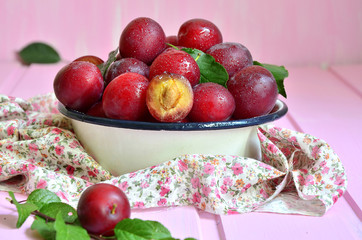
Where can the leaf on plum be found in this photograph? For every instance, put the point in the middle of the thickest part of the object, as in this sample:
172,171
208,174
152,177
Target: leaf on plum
210,70
279,73
112,56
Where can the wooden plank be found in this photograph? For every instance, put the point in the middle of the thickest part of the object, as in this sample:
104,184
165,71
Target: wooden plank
340,223
38,79
182,222
11,73
350,75
211,227
323,106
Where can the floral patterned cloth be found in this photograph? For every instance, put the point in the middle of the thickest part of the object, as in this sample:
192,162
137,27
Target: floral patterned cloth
299,173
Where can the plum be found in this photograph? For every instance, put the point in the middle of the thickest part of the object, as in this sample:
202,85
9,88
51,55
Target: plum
169,97
96,110
255,92
172,39
212,102
199,33
126,65
101,207
79,85
90,58
125,97
233,56
143,38
177,62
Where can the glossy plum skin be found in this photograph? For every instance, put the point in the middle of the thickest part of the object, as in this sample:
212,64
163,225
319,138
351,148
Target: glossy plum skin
177,62
125,97
255,92
212,102
96,110
233,56
172,39
126,65
90,58
79,85
169,97
101,207
143,38
199,33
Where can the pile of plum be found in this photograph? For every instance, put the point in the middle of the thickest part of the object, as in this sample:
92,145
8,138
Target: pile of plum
151,77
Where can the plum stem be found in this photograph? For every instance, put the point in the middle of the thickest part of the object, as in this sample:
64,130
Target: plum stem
113,211
197,57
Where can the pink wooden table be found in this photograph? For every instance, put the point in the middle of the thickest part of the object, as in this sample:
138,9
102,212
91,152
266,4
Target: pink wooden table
325,103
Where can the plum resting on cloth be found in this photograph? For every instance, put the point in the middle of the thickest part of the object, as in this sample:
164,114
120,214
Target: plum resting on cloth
299,173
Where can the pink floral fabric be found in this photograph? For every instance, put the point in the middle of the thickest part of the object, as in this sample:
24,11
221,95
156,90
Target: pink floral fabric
298,173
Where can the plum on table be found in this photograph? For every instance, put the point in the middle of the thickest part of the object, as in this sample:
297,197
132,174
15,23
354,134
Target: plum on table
101,207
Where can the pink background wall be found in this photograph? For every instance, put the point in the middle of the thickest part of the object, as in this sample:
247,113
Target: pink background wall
280,32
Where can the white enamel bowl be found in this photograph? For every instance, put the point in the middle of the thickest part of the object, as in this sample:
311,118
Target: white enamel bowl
122,146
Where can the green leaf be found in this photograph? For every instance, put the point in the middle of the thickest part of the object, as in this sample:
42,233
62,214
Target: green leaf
67,231
39,52
137,229
112,56
210,70
279,73
40,197
24,210
44,228
69,214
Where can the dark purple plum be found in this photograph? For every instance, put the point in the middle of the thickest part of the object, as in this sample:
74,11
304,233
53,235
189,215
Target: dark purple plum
199,33
101,207
143,38
177,62
233,56
126,65
172,40
79,85
255,92
212,102
125,97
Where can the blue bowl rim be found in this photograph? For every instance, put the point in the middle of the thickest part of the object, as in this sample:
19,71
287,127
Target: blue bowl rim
277,113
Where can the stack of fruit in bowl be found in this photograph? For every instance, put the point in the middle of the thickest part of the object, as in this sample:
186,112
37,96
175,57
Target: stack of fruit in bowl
178,82
192,81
